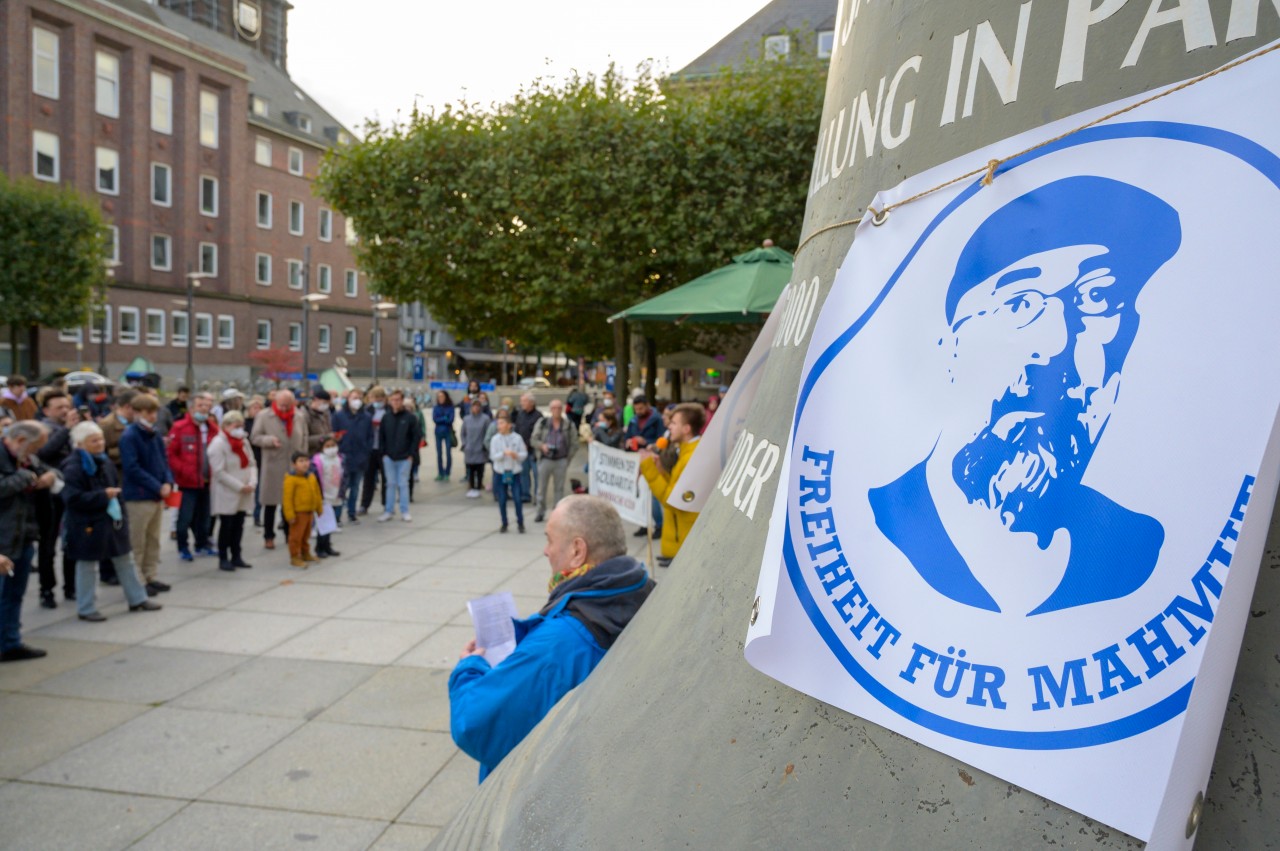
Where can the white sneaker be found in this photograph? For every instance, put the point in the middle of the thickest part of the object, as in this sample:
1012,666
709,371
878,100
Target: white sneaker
473,494
386,516
405,517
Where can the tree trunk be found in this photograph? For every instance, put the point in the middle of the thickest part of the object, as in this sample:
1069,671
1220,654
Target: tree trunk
33,351
650,368
677,385
621,358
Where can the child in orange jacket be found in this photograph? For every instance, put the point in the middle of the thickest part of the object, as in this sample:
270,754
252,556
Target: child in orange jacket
302,501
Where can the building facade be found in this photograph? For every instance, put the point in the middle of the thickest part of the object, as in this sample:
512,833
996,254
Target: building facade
201,153
780,28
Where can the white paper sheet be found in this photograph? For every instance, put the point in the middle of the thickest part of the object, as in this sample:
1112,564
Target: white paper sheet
495,632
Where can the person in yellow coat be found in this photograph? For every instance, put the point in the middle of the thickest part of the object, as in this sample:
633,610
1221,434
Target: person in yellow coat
686,424
302,502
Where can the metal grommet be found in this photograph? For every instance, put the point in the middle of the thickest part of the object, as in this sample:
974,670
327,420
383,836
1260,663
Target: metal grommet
687,496
755,613
879,217
1193,818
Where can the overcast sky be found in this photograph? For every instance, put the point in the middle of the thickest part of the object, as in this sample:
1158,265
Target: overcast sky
373,58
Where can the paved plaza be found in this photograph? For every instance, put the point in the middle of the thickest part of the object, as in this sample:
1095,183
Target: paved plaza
266,708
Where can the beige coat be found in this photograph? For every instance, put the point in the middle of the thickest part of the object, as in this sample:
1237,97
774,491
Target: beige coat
275,461
227,477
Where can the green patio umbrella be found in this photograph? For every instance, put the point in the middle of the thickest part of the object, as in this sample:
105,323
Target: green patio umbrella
742,291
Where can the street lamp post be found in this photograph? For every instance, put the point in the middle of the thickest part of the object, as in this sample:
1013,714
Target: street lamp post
376,343
309,302
193,281
102,312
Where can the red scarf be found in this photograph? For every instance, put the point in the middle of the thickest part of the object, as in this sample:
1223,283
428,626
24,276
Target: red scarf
237,446
287,419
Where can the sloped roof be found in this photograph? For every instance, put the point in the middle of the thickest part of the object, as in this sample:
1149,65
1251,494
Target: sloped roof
777,17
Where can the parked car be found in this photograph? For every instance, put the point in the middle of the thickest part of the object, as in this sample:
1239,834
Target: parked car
534,381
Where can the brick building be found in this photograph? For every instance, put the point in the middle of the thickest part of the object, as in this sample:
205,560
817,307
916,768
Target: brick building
187,130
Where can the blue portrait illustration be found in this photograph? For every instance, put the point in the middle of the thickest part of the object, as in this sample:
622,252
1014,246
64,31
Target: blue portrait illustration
1040,316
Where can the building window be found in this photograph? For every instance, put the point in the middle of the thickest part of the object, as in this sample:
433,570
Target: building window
323,335
295,161
295,336
208,195
826,41
208,119
349,340
259,106
44,62
434,338
130,321
161,184
107,98
108,164
226,332
113,243
295,274
155,327
351,283
204,330
71,335
262,151
264,209
264,333
295,218
161,252
304,123
161,102
101,319
326,225
351,236
324,279
776,47
44,155
179,326
262,266
209,259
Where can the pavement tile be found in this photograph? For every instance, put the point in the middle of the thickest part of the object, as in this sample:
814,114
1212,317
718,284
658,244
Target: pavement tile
412,698
167,751
443,537
440,650
288,688
64,655
305,598
358,572
249,633
491,559
478,521
366,642
473,581
122,626
340,769
405,837
445,794
216,592
217,827
414,554
410,605
64,723
529,605
141,675
54,818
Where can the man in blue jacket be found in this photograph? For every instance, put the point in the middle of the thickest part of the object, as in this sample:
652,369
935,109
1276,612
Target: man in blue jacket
147,484
596,588
354,429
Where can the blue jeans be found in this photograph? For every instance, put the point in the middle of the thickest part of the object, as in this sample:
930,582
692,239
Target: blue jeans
501,488
396,474
444,453
87,583
12,590
351,482
529,477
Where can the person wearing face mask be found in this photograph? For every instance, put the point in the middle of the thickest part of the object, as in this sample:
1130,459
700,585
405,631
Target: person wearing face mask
376,411
95,399
328,466
113,426
234,479
188,456
279,431
22,478
354,430
319,419
55,409
99,526
147,483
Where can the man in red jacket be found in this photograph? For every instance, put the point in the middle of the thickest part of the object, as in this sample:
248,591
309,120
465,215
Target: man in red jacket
188,453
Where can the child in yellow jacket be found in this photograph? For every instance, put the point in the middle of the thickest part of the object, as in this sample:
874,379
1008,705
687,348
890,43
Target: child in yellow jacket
686,425
302,501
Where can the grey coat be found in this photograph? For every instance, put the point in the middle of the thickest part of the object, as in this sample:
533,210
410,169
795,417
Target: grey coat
474,427
275,461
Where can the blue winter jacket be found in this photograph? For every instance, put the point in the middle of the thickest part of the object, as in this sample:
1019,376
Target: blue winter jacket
443,416
146,469
358,440
491,709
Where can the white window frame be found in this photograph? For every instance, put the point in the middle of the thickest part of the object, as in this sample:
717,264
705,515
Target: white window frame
829,36
209,250
129,338
99,319
167,170
161,102
295,336
179,338
37,138
304,123
106,88
261,341
254,101
776,47
228,340
324,338
208,179
349,340
204,341
296,153
351,283
155,339
270,209
168,252
257,269
324,278
262,151
209,118
113,243
71,335
298,216
291,265
101,155
325,225
47,83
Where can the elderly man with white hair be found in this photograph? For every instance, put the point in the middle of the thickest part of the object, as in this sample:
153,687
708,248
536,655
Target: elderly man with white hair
22,476
279,431
97,525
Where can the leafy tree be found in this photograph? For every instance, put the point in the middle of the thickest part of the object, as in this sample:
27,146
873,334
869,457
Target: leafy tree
276,362
53,254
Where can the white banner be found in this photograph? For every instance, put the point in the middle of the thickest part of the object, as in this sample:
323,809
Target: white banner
615,475
1033,458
